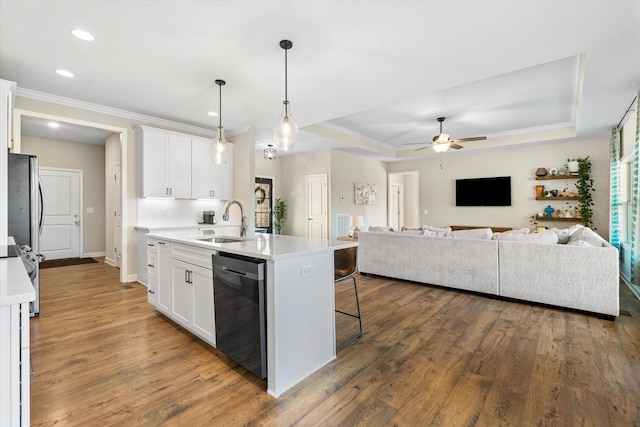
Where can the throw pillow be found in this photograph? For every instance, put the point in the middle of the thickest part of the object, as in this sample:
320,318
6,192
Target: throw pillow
379,229
475,233
497,235
585,237
431,228
564,233
414,232
430,233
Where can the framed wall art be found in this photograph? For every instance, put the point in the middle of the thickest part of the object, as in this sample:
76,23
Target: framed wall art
365,194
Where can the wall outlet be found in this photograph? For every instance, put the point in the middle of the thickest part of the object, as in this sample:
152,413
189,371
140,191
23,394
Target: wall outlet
306,271
89,210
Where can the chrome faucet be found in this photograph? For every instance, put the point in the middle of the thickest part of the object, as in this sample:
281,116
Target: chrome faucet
243,224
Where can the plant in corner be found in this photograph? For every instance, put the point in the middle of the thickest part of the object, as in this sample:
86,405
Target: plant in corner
279,214
585,190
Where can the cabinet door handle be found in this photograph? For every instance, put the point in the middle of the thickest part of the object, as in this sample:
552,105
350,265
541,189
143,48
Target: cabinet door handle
186,276
150,265
191,277
151,292
150,244
161,243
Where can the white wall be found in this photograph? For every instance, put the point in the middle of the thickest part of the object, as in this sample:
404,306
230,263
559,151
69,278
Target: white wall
295,169
346,170
437,186
112,154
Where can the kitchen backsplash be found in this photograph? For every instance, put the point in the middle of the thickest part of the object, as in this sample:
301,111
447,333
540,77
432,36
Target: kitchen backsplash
156,212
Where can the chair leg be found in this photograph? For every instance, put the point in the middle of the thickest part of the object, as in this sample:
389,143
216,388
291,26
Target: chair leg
358,316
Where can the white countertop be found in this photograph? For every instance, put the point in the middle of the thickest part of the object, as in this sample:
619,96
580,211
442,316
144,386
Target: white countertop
259,245
15,285
155,228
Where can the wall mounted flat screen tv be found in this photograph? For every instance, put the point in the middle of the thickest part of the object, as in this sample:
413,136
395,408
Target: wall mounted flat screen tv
484,191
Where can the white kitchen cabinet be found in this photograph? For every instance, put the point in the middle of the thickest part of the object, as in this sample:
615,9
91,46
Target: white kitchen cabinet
191,277
16,292
208,179
163,259
152,272
166,163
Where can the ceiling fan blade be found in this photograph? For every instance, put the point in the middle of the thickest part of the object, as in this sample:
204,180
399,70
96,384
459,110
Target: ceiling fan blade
475,138
455,146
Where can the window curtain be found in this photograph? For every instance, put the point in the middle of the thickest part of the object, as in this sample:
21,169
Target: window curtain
614,179
635,203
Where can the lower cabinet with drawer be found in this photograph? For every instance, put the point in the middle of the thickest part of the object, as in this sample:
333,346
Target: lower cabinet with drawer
184,286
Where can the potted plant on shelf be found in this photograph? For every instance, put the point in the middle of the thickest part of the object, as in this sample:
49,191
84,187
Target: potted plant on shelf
279,215
585,190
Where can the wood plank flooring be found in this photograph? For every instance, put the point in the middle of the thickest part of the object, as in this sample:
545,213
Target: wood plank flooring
429,357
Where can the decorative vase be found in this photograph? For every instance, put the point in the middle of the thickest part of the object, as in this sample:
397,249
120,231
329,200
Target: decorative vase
554,193
541,172
549,211
539,190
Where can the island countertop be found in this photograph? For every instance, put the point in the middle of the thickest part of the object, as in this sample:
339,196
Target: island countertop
259,245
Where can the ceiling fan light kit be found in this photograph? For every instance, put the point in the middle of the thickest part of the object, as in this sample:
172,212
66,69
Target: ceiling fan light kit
286,130
442,142
220,147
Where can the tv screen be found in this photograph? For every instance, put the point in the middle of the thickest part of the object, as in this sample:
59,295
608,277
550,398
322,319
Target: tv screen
484,191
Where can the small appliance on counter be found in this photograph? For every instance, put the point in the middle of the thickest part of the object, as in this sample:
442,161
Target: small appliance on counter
209,217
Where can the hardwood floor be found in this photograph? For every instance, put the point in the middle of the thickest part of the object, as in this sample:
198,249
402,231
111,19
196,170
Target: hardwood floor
429,357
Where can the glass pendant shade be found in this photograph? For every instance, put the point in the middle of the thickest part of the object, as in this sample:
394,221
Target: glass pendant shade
286,130
441,147
219,148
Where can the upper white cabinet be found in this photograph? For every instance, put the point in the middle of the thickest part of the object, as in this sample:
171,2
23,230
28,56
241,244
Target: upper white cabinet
166,163
177,165
209,180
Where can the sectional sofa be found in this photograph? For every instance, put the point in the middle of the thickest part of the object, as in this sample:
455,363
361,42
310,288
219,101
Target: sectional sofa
572,268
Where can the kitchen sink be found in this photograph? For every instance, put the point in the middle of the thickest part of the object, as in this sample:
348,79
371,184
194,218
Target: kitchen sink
214,239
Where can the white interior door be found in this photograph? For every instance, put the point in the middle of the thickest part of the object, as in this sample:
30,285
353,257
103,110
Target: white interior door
397,206
117,222
60,236
317,202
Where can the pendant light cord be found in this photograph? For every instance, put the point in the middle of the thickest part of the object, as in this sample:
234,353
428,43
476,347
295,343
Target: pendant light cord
220,108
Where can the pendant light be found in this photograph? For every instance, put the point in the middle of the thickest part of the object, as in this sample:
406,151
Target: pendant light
286,130
219,146
270,153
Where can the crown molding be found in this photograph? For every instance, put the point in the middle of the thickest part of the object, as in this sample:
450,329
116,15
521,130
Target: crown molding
142,118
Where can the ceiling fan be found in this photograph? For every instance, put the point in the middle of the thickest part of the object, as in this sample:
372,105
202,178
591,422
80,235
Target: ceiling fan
443,141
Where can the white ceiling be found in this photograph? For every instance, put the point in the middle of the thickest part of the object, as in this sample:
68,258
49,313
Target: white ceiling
364,76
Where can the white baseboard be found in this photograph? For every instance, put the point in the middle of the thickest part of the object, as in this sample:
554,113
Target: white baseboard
94,254
109,261
132,278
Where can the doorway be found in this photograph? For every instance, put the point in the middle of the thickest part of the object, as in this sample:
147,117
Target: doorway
61,229
122,144
264,205
404,202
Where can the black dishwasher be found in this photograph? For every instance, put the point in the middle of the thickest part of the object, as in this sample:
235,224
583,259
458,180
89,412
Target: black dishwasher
240,310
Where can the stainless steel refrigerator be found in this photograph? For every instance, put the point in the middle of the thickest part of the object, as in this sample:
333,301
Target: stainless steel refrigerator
26,214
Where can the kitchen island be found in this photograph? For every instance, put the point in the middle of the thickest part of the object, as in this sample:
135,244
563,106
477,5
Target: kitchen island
300,315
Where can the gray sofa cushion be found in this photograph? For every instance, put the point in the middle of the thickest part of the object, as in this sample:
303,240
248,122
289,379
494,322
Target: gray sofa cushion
546,237
475,233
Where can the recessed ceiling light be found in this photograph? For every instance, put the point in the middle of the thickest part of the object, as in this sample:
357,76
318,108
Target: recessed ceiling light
83,35
53,125
65,73
212,113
